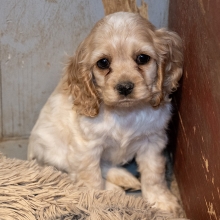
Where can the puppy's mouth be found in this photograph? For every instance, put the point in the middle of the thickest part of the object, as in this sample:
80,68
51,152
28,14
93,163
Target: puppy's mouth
126,102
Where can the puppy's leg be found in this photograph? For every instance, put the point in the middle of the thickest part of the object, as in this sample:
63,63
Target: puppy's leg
120,177
112,186
151,163
84,168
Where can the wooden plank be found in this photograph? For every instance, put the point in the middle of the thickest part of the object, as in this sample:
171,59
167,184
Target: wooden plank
34,38
155,10
125,5
197,156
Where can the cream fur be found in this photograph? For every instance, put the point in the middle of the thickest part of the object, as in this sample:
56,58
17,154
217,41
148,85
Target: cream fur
88,129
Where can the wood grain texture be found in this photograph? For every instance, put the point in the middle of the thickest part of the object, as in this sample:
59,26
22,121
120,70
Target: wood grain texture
197,165
155,10
125,5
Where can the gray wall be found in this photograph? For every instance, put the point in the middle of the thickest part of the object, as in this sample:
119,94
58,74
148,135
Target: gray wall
35,35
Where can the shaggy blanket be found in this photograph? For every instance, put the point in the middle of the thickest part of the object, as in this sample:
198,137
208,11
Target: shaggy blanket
29,191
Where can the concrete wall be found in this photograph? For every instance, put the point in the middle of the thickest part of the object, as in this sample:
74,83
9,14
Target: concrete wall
34,38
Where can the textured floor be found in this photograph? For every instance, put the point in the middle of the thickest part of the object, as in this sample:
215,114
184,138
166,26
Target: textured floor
17,148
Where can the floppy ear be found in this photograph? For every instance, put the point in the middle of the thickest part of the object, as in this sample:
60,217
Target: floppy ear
170,63
79,79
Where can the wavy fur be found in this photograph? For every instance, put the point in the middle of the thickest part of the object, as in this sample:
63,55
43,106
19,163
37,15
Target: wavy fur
99,118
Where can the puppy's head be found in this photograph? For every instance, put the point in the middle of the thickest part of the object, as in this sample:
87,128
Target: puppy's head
123,62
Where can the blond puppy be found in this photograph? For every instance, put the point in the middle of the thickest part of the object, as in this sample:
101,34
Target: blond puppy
111,105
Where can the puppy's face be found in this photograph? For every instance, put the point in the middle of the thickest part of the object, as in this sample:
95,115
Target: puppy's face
124,66
124,61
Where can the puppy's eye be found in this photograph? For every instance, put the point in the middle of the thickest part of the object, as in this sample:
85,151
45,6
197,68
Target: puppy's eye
103,63
142,59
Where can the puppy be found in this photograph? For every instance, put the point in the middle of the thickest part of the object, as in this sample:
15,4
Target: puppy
111,105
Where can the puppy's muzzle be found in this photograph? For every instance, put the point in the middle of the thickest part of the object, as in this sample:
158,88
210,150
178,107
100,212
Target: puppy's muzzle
125,88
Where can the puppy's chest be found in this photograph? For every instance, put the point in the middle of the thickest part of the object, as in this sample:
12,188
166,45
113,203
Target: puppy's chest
120,130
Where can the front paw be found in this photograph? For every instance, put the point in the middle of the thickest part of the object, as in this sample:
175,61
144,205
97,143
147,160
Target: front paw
168,203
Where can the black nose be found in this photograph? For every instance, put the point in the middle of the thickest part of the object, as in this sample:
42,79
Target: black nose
125,88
